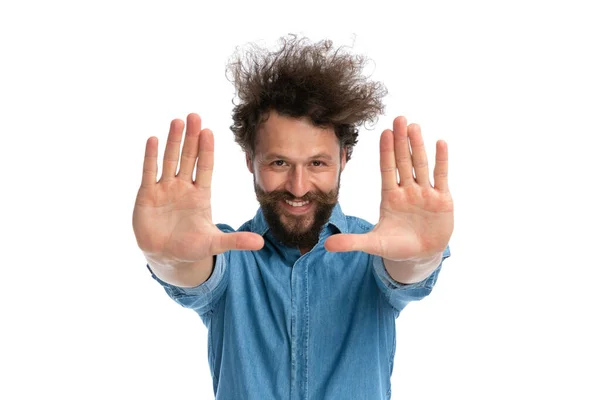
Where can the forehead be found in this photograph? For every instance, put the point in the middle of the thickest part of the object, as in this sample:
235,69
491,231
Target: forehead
294,136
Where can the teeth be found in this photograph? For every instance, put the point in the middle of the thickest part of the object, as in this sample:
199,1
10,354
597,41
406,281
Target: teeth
297,203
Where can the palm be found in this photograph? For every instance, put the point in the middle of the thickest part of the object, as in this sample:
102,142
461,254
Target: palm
421,217
172,217
416,219
176,216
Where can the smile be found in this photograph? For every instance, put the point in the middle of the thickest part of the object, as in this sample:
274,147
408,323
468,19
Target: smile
297,203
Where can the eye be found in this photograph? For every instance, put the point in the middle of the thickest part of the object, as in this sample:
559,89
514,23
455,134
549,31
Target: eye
279,163
317,163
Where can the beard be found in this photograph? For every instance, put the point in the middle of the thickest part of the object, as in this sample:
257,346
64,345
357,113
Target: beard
301,231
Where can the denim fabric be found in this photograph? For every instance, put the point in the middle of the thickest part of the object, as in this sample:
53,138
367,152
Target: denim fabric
286,326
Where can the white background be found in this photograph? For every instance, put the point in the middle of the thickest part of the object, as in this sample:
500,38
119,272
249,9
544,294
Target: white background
512,86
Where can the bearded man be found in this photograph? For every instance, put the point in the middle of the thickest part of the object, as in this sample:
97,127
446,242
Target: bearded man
301,301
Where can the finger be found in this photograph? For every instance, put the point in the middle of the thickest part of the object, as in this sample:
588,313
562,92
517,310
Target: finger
353,242
171,156
150,162
403,158
440,171
237,241
419,155
387,162
206,159
189,152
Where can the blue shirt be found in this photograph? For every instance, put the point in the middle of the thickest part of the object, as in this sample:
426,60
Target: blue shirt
287,326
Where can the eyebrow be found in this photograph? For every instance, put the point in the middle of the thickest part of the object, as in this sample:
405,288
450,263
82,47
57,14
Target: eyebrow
276,156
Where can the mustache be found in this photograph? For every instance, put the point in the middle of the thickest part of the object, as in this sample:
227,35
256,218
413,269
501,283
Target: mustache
279,195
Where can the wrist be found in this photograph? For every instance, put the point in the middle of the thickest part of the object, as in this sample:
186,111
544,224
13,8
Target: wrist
182,274
412,270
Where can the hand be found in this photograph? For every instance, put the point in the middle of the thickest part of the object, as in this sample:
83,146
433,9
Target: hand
416,219
172,218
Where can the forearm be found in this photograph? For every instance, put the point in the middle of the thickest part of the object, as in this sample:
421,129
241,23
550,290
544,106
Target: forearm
412,271
182,274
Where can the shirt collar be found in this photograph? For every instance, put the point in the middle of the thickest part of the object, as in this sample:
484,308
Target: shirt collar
337,220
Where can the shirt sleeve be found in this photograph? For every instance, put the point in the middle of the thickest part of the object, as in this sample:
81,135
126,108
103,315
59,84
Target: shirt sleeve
400,294
202,298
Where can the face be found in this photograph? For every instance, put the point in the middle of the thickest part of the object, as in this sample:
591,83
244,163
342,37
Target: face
296,169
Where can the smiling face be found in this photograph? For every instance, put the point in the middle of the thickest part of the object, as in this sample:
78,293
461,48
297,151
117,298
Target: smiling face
296,168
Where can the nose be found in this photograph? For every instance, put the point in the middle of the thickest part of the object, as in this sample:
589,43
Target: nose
297,182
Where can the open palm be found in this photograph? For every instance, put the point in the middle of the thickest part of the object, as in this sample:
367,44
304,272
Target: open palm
416,218
172,217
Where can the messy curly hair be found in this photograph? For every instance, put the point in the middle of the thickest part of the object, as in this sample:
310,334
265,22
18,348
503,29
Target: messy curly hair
303,79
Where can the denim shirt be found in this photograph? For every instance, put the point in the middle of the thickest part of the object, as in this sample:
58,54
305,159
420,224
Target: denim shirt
282,325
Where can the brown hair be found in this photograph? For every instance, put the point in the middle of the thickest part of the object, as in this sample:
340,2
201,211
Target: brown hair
303,79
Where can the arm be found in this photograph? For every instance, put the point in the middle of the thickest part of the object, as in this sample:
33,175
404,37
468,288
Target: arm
172,218
416,218
399,293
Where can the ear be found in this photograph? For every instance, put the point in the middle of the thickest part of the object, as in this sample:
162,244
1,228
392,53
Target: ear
249,163
343,160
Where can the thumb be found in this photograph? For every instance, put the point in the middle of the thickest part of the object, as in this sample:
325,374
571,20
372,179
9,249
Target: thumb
237,241
351,242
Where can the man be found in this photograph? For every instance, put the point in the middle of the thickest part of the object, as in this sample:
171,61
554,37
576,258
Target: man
300,302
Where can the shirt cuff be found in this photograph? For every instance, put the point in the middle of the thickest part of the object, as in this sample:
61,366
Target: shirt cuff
390,283
204,293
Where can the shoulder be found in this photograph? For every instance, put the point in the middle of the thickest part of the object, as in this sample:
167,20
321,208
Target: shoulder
245,227
357,225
